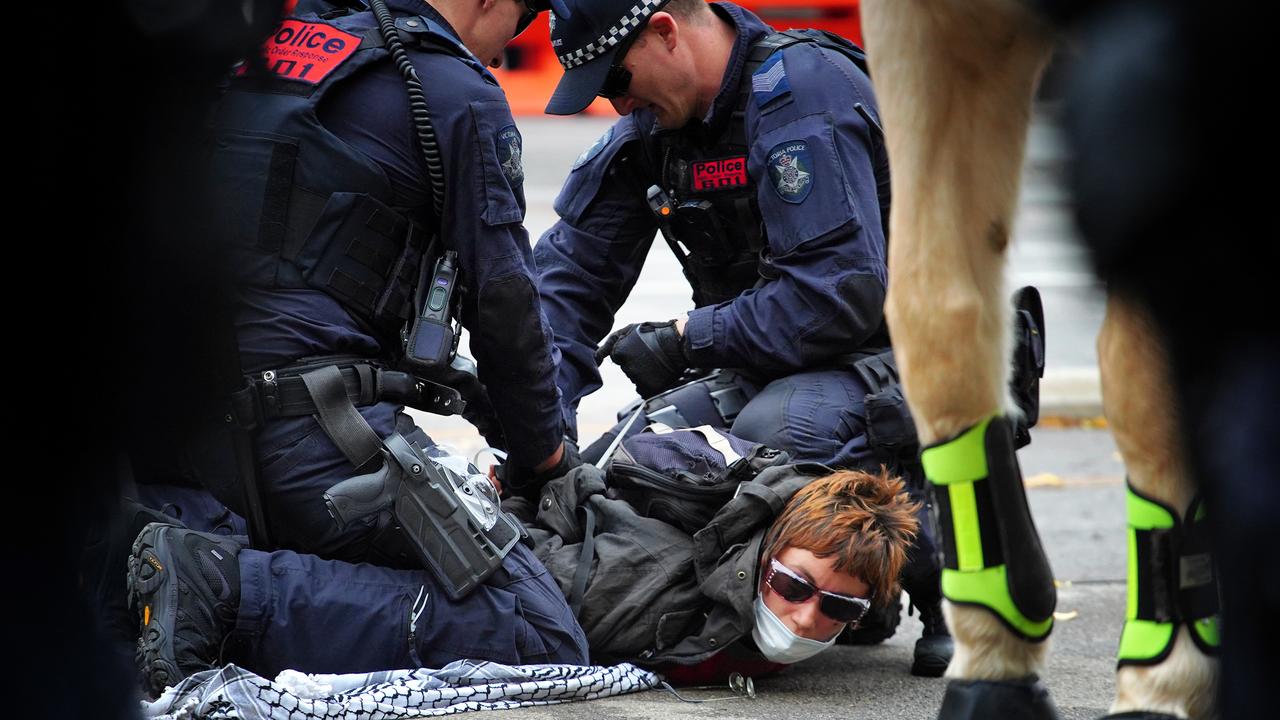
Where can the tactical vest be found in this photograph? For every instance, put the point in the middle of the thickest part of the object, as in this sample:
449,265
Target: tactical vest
299,208
716,216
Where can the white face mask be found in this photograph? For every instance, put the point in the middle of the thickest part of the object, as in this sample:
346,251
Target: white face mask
778,643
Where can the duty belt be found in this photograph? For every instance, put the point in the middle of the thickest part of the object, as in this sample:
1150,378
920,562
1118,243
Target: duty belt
284,393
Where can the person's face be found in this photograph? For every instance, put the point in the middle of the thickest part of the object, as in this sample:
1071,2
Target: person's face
661,81
499,24
804,618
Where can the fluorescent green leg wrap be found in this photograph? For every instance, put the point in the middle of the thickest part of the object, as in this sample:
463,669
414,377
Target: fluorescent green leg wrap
1171,581
1143,640
1206,631
993,557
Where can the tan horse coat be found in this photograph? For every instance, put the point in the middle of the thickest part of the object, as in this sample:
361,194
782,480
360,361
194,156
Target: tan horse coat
955,81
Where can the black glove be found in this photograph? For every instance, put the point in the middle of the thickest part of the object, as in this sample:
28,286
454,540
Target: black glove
524,482
649,353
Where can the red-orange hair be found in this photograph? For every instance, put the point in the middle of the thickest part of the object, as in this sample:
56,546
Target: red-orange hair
866,522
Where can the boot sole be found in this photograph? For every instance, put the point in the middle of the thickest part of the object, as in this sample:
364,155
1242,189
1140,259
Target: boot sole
155,599
931,662
929,666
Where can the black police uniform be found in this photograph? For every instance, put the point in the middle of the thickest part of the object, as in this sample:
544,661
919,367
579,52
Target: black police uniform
779,197
322,195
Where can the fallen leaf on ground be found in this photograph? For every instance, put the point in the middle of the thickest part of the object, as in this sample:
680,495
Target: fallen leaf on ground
1043,480
1059,422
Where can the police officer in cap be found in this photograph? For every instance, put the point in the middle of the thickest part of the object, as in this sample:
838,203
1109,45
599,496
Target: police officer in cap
758,157
355,205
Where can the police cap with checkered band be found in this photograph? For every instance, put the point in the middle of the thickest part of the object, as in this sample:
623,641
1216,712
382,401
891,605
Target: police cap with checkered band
586,36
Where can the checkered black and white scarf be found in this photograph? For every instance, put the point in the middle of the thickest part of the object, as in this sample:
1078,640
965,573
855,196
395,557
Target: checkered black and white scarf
232,692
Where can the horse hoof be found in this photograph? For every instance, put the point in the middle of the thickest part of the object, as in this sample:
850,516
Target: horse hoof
1024,699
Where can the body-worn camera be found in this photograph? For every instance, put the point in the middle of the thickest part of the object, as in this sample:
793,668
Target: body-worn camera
452,518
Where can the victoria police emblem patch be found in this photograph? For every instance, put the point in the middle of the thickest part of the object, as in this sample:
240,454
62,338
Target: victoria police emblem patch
594,150
791,170
509,149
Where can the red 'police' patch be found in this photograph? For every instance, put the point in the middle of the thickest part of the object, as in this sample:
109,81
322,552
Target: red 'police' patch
307,51
720,174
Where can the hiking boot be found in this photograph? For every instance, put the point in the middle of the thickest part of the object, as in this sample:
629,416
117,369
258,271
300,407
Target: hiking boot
186,586
935,647
104,563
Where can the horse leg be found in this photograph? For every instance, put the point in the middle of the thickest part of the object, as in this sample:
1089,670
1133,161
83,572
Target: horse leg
1139,401
955,82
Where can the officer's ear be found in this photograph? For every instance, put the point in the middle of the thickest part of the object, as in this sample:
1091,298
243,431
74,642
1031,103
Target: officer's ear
664,28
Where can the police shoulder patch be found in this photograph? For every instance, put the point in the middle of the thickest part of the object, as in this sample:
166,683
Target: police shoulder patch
590,153
510,152
791,170
769,81
307,51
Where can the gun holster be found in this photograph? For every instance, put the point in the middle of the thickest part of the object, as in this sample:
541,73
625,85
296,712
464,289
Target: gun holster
454,523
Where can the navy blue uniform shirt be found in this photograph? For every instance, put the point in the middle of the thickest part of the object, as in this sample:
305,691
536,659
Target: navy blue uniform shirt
482,220
825,224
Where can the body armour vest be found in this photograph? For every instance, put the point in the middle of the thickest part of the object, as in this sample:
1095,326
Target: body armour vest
715,214
297,207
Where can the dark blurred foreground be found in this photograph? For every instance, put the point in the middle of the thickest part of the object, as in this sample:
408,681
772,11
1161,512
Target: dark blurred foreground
1160,111
132,320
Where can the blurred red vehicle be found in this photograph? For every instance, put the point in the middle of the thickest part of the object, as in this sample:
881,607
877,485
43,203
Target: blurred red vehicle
530,71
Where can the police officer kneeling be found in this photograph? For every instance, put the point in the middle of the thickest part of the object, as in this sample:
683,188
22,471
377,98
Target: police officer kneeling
354,230
758,157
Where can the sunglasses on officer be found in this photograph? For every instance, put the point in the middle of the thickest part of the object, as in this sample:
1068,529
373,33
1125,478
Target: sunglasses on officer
531,10
793,588
619,78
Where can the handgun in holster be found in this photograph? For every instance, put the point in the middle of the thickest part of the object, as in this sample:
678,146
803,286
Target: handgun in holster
455,524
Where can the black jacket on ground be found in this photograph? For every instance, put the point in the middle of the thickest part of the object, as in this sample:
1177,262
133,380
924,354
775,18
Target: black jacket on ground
655,594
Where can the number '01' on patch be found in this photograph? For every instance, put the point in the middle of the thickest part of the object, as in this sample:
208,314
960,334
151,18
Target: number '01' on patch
791,170
307,51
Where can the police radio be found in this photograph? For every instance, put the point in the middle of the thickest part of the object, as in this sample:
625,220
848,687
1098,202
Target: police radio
433,340
663,209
